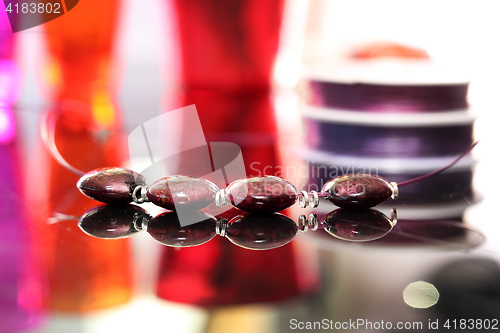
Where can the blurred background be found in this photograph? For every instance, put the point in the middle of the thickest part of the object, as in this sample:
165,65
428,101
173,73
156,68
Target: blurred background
309,90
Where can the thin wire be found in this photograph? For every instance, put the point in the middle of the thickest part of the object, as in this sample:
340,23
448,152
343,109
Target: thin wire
47,130
411,181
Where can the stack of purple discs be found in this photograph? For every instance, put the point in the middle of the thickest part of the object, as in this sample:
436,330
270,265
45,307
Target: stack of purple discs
409,123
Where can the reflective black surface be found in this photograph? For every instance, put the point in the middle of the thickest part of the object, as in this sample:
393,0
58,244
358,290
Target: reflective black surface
264,232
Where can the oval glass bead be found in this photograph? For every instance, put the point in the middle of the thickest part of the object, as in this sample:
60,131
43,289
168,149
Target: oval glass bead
110,185
112,222
258,195
178,192
261,232
358,191
357,225
167,230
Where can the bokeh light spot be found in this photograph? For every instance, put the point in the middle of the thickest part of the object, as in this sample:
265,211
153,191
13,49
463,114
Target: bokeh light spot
420,295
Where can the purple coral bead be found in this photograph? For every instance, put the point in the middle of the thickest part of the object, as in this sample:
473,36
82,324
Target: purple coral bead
358,191
266,194
178,192
110,185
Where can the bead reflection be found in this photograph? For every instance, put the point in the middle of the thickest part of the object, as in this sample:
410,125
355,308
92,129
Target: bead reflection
358,226
167,230
113,222
439,234
261,232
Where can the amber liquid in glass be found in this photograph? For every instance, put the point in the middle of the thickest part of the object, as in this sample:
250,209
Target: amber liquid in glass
84,273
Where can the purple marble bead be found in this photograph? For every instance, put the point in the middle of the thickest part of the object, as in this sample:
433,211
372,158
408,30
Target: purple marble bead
358,191
179,192
112,222
110,185
166,229
261,232
258,195
357,225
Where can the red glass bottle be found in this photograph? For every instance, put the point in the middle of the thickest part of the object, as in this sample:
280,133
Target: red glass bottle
219,273
227,52
228,45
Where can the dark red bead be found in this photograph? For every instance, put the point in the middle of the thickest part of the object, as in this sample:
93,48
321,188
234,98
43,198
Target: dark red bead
358,191
261,232
182,192
167,230
112,221
266,194
357,225
110,185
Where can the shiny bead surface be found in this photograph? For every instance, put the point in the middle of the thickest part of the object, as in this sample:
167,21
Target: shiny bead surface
179,192
358,191
261,232
112,222
166,229
357,225
266,194
110,185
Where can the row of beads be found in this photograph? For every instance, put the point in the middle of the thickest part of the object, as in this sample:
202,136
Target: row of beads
258,195
248,230
258,232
